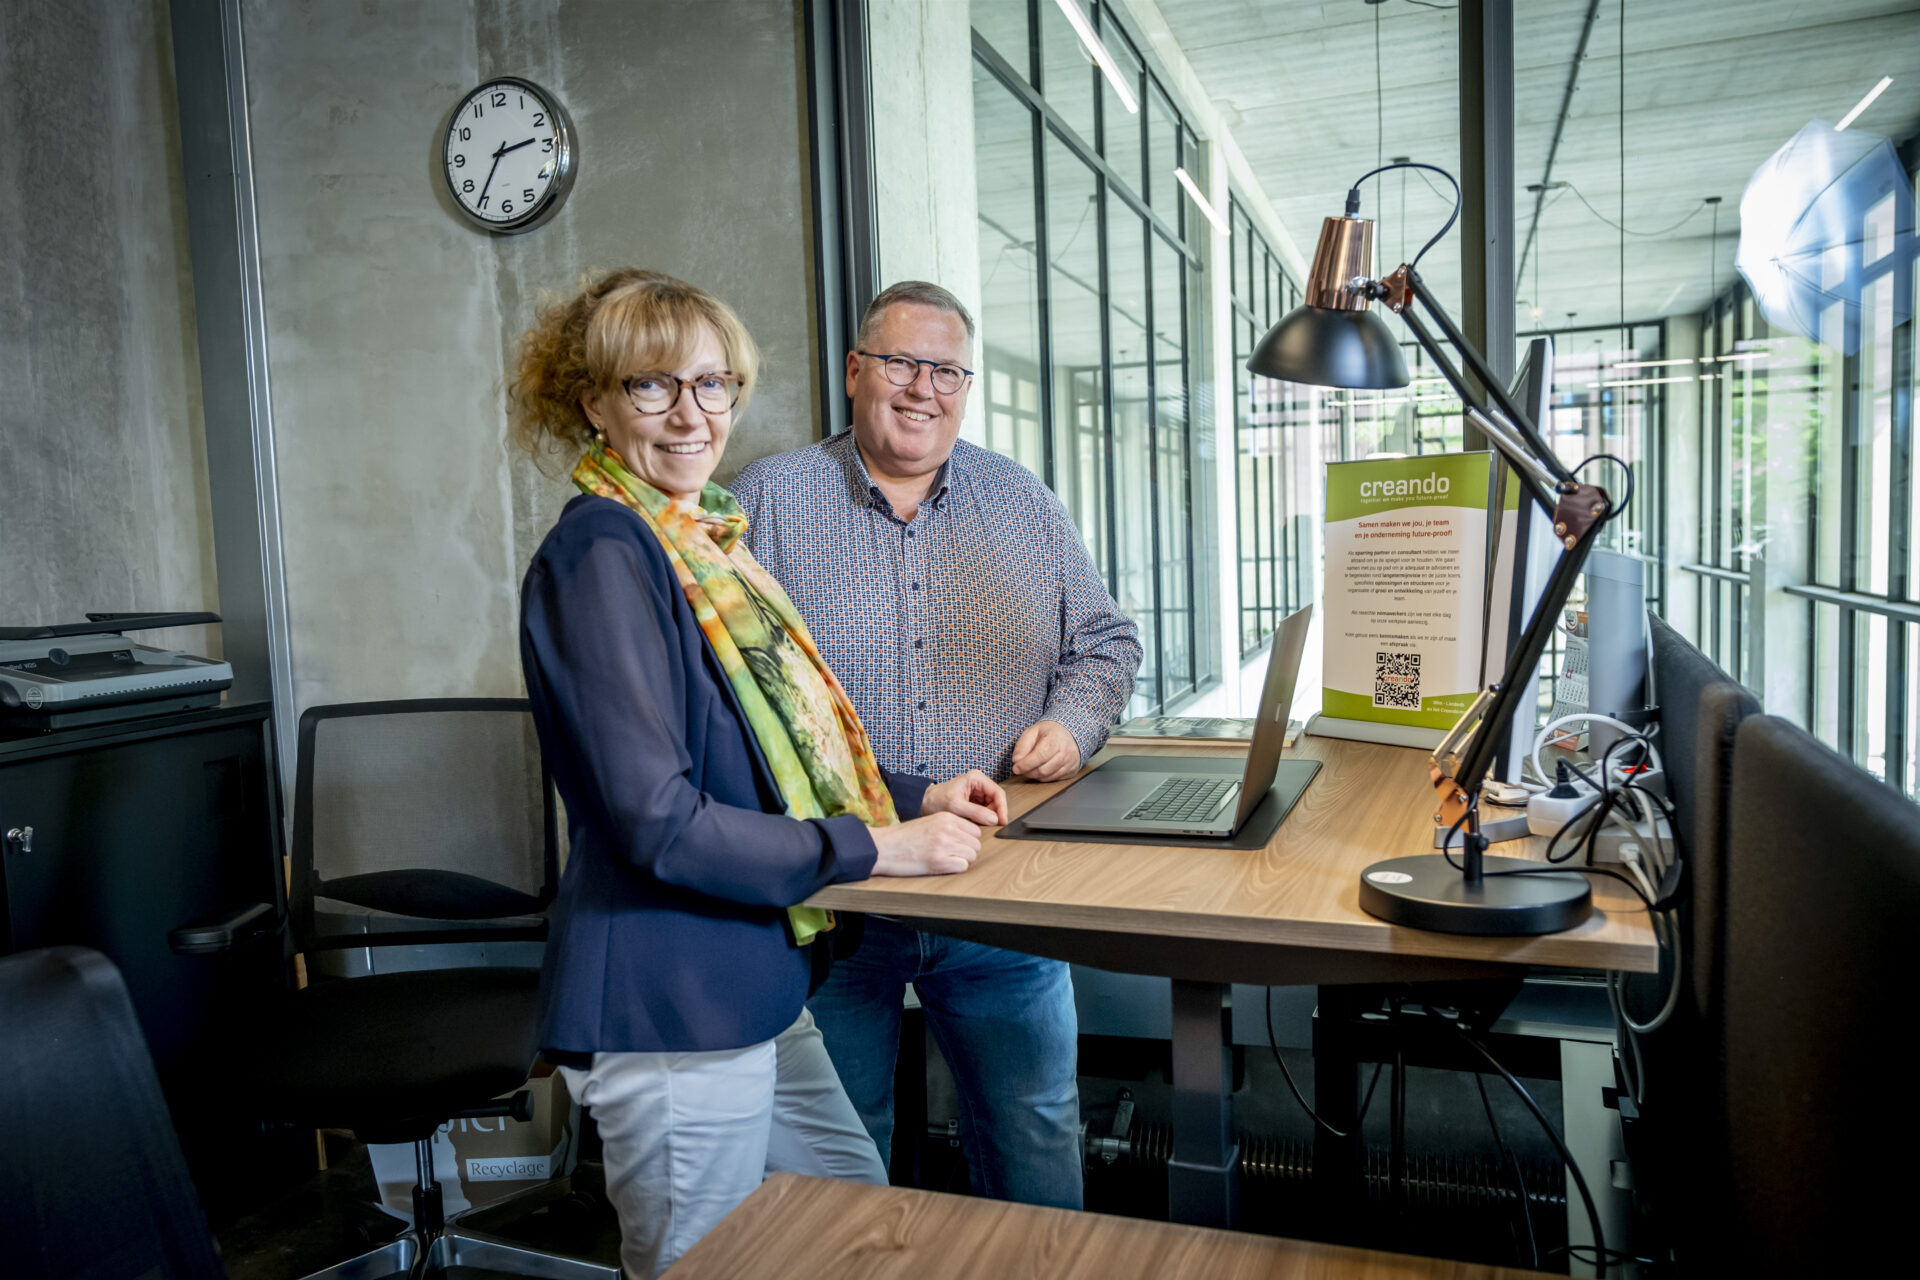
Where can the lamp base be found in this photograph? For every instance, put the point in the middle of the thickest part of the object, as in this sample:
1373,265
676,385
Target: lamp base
1428,892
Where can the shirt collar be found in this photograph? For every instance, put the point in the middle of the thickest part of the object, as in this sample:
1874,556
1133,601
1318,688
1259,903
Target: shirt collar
860,485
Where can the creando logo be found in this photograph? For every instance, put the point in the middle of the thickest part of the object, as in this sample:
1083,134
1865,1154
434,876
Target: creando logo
1415,487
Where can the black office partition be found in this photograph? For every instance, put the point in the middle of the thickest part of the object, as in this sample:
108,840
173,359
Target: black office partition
1701,708
1822,903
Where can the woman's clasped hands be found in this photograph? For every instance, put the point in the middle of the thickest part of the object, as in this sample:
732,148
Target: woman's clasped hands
945,838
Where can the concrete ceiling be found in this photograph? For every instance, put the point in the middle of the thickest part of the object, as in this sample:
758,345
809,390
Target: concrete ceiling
1712,87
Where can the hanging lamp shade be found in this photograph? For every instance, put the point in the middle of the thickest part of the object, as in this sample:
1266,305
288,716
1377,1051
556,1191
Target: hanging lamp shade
1804,219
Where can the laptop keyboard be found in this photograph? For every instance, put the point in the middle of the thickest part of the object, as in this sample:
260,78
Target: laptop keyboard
1184,799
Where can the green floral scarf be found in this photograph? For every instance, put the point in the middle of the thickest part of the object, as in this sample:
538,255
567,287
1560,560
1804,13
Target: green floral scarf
799,714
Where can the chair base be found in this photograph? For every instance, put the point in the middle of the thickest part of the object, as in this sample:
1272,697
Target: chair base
395,1259
459,1245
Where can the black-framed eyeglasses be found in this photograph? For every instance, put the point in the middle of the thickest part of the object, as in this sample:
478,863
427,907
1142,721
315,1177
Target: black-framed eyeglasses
902,370
714,392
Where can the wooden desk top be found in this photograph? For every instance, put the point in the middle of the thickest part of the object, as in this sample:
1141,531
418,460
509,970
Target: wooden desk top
819,1229
1368,803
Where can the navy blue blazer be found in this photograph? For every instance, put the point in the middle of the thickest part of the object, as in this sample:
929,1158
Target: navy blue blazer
669,931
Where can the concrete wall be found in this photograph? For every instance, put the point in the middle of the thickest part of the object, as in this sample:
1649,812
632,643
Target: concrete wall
103,493
407,518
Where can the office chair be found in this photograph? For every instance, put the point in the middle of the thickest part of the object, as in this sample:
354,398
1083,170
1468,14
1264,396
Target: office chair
416,824
93,1182
1821,910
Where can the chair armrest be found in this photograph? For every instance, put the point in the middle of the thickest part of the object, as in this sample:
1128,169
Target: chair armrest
208,937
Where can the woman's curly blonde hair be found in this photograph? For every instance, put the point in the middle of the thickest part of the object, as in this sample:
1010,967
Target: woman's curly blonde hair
618,324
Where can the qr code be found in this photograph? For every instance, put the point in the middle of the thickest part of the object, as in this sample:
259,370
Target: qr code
1396,681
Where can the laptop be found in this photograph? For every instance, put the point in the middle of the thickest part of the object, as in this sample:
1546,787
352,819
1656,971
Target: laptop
1193,795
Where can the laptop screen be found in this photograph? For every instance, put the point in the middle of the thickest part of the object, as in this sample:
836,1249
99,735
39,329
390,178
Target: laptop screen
1276,699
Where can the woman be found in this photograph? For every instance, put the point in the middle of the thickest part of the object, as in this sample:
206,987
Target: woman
714,774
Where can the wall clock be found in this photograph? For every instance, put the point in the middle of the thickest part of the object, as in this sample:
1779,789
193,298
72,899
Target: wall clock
509,155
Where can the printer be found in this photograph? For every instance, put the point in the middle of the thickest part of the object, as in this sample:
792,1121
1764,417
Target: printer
80,673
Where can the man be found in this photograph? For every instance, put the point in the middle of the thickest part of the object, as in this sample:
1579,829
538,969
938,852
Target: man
951,593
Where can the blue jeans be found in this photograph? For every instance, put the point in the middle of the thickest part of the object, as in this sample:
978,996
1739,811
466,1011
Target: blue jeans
1004,1022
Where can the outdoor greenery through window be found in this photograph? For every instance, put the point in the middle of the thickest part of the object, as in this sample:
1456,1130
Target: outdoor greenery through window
1093,319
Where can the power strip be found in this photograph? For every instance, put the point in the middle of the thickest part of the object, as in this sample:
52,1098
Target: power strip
1548,814
1615,845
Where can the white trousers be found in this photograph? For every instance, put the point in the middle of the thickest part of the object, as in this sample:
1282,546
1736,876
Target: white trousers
687,1136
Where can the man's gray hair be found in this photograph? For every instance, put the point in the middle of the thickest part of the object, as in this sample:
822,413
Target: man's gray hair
919,292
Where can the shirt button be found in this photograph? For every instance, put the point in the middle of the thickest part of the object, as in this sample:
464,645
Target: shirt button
923,705
916,586
922,768
919,644
909,533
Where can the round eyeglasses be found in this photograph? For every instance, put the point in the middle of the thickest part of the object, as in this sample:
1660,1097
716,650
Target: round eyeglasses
651,393
901,371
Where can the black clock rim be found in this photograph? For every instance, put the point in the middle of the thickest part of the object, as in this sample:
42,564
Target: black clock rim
566,158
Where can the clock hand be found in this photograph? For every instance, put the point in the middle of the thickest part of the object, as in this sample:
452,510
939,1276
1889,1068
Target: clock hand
497,153
515,147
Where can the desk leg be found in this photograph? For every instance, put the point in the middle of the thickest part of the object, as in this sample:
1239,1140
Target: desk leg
1337,1162
1203,1177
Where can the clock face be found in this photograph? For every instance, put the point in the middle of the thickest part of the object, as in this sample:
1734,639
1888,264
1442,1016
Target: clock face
508,155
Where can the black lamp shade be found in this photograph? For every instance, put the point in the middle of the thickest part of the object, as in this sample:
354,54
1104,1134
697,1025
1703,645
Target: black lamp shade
1328,348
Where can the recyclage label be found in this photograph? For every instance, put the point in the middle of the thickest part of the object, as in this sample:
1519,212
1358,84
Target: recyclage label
509,1168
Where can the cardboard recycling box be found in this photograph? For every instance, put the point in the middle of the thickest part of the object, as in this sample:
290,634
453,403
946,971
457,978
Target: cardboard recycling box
480,1161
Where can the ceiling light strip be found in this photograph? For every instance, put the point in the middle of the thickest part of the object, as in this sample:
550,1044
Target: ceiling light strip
1084,29
1858,107
1200,202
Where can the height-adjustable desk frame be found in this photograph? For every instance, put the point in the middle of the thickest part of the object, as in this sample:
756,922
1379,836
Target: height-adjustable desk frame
1286,915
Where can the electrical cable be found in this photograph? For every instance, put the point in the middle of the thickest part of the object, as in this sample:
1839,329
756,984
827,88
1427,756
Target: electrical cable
1632,1065
1620,506
1294,1089
1520,1180
1366,1100
1379,97
1575,1250
1624,230
1591,717
1573,1166
1353,201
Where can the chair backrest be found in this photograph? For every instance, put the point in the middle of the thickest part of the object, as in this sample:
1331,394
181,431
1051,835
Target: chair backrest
1701,707
1822,905
426,820
92,1182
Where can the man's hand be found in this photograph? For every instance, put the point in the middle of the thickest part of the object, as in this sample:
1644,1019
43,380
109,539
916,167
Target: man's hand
973,796
1046,752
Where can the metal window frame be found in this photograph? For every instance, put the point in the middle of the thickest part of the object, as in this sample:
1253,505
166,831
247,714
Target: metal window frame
1276,574
1847,596
1029,89
846,250
210,77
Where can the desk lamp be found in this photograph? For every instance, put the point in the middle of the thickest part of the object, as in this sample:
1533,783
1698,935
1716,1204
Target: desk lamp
1334,339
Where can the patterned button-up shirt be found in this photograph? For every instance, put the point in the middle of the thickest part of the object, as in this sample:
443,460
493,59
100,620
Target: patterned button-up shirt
953,631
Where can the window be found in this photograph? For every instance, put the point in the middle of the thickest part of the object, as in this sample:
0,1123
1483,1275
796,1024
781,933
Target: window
1278,449
1808,518
1092,308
